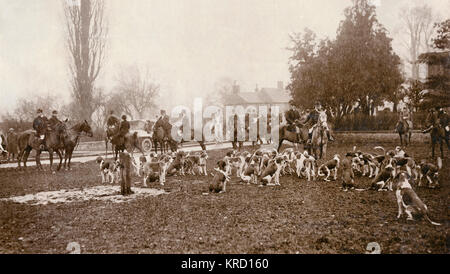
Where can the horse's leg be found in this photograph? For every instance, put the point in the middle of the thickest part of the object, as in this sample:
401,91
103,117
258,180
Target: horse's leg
401,139
106,147
60,159
441,146
50,154
38,160
19,157
433,143
25,157
279,144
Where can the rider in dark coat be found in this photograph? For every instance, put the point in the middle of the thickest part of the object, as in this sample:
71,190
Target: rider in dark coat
111,123
52,122
164,121
124,128
314,118
292,115
40,124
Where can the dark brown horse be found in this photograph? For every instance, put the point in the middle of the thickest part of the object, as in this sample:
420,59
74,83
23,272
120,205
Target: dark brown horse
286,134
72,138
404,132
28,140
437,133
129,143
159,137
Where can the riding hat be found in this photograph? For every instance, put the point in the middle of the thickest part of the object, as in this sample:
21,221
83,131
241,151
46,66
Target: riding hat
11,129
54,112
39,110
124,117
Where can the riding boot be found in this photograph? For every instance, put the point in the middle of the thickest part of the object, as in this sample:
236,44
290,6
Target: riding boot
330,138
309,138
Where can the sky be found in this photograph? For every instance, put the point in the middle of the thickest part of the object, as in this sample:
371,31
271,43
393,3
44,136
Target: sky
187,45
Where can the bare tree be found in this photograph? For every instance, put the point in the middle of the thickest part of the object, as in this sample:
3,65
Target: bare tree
27,107
137,91
417,24
86,36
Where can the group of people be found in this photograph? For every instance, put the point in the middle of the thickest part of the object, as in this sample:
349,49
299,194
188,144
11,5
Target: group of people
117,128
41,124
315,117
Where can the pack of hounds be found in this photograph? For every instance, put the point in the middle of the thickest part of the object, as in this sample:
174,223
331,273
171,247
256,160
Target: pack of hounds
392,170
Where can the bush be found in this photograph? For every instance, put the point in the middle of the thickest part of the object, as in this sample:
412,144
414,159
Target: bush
384,120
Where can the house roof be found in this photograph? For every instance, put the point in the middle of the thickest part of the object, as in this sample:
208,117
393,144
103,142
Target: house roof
263,96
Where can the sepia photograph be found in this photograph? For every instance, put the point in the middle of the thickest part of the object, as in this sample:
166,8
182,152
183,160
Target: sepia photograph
224,127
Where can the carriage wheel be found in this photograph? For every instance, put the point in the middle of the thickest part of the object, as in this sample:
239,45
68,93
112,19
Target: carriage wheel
146,145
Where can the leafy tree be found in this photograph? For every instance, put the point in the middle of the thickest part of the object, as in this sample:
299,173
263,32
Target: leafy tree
357,69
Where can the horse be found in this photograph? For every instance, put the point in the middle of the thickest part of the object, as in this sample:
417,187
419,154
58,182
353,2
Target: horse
437,133
293,137
12,145
404,132
129,143
110,133
159,137
28,140
71,140
319,141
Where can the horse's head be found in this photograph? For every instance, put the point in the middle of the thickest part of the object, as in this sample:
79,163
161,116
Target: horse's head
61,127
85,127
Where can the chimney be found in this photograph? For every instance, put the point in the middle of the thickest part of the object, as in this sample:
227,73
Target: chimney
280,85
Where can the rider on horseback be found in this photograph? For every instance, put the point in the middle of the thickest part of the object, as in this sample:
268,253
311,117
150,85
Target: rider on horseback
318,117
53,122
40,124
124,128
165,124
405,118
111,123
292,115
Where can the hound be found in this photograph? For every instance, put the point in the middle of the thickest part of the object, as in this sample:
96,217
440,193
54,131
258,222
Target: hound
330,165
196,161
219,182
430,172
108,170
408,200
272,171
156,170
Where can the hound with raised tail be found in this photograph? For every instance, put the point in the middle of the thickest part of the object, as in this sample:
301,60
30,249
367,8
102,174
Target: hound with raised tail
408,200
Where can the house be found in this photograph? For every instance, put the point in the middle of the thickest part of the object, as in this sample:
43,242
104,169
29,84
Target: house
269,97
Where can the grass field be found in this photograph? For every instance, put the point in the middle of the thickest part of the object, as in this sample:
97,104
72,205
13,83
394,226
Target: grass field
296,217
